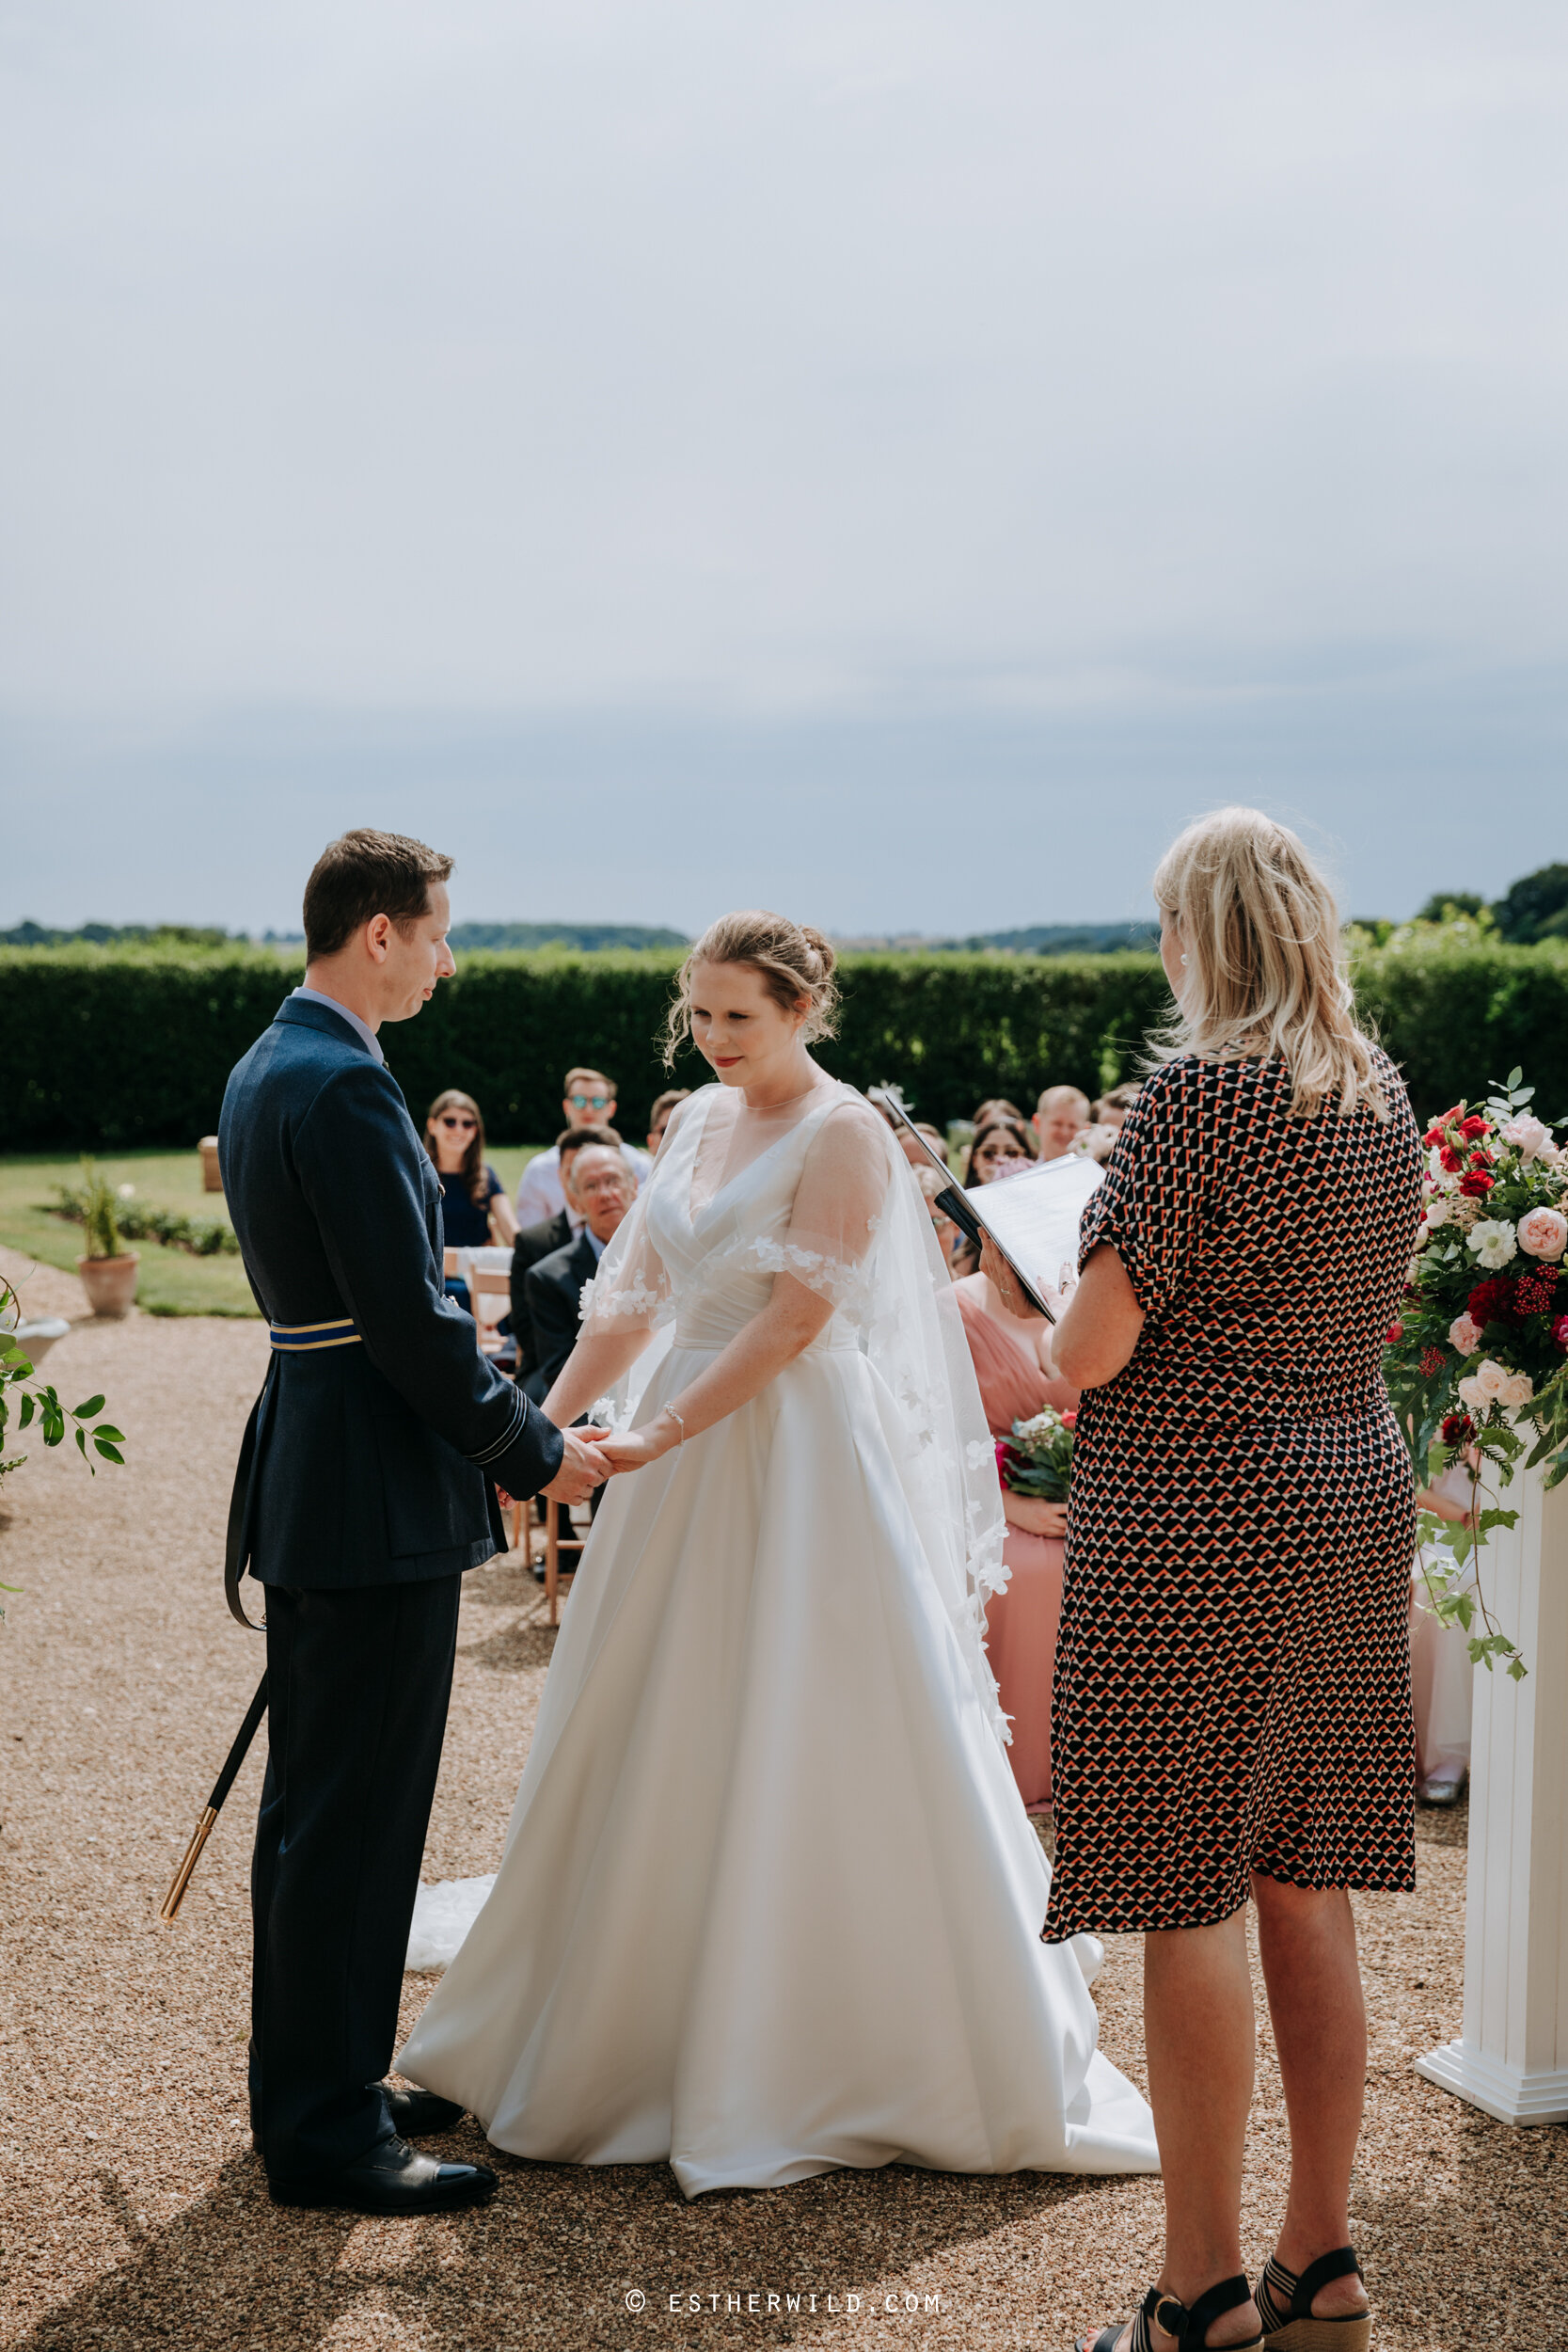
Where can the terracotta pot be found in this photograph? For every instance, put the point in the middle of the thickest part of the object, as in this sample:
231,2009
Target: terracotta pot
110,1283
212,1181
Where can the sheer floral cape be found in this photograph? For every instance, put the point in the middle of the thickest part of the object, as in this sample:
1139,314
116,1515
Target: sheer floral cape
855,1228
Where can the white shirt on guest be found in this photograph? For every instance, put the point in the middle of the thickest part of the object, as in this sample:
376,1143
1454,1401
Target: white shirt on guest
540,1196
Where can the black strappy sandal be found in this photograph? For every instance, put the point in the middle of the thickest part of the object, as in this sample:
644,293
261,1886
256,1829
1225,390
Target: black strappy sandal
1285,2306
1188,2325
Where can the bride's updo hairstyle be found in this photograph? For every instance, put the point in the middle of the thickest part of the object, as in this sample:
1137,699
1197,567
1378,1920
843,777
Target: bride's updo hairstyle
791,959
1265,973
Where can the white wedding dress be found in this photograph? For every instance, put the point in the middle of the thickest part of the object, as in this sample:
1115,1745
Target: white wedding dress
769,1902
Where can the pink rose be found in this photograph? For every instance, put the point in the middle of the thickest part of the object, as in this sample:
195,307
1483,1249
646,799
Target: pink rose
1464,1336
1527,1133
1544,1233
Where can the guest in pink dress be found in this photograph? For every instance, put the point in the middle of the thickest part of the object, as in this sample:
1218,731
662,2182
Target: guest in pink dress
1010,1362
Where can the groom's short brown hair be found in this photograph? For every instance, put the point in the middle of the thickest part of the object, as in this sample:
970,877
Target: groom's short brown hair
364,874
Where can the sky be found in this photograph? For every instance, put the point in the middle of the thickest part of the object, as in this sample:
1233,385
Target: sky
891,462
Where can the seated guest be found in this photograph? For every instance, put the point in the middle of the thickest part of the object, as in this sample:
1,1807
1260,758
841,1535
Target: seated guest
1012,1364
996,1106
552,1232
601,1189
659,1117
589,1101
930,1183
472,1195
1001,1148
911,1150
1112,1109
1060,1113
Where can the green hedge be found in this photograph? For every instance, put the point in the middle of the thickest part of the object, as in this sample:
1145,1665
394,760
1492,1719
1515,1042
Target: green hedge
101,1049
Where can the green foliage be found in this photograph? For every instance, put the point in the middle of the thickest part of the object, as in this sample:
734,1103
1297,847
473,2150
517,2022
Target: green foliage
96,1206
117,1047
1449,1001
1535,907
1444,905
143,1220
34,1399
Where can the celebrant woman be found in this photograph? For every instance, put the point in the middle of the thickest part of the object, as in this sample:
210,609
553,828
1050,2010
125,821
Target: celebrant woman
1232,1711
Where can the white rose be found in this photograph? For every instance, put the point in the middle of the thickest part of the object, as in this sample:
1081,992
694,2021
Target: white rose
1519,1390
1472,1394
1492,1378
1436,1210
1493,1242
1544,1233
1527,1133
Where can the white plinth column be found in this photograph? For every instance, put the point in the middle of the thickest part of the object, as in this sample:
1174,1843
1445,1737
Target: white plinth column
1512,2060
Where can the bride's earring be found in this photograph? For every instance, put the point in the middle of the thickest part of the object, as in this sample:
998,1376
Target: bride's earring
1183,959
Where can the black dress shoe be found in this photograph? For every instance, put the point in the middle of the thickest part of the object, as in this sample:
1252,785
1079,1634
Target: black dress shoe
417,2113
392,2178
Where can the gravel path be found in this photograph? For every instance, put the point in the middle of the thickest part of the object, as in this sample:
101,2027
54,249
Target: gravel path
134,2212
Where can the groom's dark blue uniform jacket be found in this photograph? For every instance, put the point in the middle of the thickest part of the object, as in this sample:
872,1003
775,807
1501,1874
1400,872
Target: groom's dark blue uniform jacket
382,1428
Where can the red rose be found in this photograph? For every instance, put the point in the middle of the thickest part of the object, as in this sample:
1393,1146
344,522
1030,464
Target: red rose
1458,1429
1069,1419
1472,1127
1476,1186
1394,1332
1560,1333
1491,1301
1435,1136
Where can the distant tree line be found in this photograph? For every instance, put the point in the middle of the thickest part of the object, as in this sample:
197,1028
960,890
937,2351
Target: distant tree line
1531,909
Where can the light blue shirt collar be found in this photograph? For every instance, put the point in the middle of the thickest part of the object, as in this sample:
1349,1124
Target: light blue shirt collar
595,1244
314,996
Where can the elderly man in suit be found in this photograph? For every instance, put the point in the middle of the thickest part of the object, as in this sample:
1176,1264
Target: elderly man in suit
367,1487
551,1233
600,1187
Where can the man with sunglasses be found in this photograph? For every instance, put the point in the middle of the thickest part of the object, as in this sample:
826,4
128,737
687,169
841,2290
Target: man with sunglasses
589,1101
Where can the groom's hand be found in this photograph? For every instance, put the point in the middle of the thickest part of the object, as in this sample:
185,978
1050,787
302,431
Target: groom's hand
582,1469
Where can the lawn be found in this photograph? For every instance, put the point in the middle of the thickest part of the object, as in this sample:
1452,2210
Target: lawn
171,1281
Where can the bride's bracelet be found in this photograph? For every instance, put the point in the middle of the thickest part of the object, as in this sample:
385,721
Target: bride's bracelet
679,1423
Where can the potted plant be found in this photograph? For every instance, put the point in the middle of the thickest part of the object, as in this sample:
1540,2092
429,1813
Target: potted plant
108,1271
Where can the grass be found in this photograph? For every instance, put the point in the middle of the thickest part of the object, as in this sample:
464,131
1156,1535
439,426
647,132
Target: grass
169,1281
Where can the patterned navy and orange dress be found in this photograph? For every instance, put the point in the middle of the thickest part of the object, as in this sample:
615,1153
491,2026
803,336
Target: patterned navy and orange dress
1233,1671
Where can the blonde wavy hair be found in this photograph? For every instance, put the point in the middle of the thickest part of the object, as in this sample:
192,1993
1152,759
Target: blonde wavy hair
1265,962
792,960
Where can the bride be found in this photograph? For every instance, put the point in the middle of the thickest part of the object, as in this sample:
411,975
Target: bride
770,1903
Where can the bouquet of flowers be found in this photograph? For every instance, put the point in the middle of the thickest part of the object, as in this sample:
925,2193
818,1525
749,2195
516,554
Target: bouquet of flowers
1477,1364
1038,1458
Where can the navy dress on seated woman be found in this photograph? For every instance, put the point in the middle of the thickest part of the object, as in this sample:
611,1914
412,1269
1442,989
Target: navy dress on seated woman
454,1138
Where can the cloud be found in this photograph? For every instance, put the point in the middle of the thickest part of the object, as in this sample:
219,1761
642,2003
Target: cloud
808,454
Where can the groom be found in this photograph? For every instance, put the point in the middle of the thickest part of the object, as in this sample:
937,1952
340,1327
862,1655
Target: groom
379,1440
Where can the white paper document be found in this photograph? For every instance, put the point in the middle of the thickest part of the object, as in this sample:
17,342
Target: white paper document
1034,1216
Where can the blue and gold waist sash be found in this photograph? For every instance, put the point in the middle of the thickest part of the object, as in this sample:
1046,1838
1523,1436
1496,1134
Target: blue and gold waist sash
297,1339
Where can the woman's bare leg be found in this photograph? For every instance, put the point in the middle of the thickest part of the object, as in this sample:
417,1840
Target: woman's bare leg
1306,1937
1198,2031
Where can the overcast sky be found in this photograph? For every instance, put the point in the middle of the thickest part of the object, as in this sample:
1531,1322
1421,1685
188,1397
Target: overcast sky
890,461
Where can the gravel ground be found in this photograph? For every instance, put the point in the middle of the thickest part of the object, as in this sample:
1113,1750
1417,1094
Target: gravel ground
134,2211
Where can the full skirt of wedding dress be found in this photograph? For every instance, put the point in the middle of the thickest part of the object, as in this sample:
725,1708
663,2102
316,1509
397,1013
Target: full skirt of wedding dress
770,1902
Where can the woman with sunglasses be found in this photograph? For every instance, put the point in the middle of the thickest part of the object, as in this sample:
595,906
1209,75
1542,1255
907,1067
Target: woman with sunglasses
472,1195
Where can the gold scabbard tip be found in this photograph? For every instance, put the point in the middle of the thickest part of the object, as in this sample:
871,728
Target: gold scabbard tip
181,1878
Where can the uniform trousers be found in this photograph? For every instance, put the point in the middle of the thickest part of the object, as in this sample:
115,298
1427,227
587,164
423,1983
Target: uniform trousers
358,1683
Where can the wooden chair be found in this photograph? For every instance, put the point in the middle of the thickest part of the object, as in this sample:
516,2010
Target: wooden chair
484,1282
555,1544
